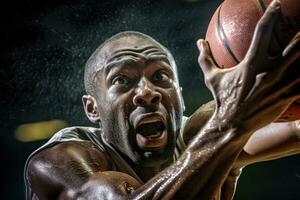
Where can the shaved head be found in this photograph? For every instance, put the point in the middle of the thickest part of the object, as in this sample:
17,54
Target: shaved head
129,77
99,58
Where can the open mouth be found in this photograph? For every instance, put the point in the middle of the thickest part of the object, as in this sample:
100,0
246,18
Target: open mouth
151,130
151,133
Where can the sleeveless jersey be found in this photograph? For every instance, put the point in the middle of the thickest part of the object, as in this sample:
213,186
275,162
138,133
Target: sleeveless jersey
94,135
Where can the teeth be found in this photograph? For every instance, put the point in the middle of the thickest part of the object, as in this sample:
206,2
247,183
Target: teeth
148,121
154,136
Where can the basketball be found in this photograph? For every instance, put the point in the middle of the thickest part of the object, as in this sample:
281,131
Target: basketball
231,29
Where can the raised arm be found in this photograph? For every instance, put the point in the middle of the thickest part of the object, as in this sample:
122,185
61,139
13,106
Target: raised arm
273,141
68,173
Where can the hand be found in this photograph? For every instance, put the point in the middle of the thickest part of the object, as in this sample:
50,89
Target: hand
256,91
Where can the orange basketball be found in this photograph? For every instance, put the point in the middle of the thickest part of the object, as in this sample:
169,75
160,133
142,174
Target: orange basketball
231,29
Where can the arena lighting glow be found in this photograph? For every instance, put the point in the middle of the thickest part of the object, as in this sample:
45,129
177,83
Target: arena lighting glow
38,130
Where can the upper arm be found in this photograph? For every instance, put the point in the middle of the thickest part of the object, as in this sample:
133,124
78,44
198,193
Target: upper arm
69,169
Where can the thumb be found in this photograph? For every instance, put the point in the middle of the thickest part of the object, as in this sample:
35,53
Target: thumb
205,58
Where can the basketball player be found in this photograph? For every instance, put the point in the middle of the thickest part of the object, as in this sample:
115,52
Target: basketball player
145,148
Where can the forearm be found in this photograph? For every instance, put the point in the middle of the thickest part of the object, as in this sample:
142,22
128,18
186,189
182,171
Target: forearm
197,172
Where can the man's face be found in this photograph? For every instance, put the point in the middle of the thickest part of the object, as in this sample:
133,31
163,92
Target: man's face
139,100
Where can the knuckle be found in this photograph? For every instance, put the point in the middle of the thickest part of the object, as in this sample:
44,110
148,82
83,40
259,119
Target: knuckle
204,59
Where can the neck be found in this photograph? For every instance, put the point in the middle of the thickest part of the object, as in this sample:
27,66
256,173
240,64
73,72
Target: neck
144,172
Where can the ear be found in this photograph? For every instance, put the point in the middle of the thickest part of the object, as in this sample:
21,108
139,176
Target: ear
91,108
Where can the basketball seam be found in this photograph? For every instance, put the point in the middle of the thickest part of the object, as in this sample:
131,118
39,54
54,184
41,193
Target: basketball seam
262,6
223,38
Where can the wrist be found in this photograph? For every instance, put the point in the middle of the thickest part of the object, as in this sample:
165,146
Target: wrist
219,132
229,121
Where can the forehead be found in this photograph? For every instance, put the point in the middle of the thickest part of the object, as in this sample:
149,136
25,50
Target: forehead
125,49
130,42
133,48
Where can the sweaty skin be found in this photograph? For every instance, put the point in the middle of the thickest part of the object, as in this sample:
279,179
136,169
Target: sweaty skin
139,86
273,141
136,87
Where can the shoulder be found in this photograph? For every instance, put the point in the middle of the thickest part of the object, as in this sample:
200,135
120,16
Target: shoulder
191,125
66,160
68,154
75,133
68,144
196,121
65,165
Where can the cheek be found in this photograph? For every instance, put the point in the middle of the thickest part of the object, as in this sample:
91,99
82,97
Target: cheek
173,103
173,98
121,104
112,95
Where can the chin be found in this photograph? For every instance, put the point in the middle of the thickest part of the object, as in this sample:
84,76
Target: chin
154,158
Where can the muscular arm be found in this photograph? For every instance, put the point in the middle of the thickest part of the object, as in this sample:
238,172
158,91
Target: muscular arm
273,141
67,173
73,170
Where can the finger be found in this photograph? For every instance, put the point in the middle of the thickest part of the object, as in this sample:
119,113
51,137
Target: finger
264,27
293,46
205,59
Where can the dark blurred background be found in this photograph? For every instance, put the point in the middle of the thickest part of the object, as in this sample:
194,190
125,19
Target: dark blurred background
44,46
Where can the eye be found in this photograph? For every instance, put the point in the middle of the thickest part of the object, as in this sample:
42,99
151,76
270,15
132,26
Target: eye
120,80
161,76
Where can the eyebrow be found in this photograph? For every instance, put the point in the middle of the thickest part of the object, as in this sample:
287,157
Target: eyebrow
108,67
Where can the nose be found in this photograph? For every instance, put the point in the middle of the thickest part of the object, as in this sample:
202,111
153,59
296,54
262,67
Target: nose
145,94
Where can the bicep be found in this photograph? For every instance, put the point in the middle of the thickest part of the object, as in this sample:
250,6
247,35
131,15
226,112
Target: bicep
66,170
